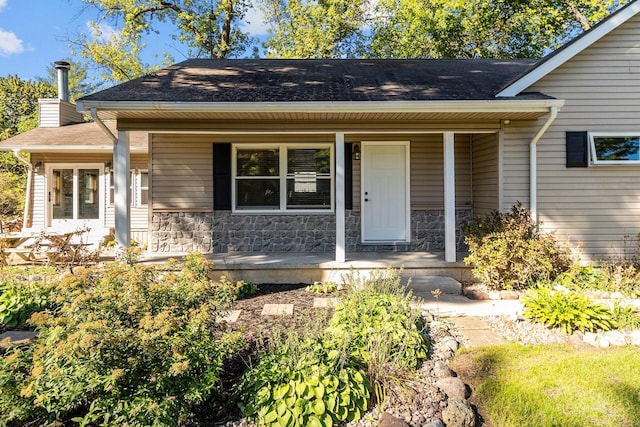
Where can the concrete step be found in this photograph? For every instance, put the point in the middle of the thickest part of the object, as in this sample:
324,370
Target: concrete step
423,286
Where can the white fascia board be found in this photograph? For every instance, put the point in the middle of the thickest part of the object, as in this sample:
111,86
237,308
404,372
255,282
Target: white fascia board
67,149
480,106
572,50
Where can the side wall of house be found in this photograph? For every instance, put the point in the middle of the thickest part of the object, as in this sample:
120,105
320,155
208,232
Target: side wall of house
596,206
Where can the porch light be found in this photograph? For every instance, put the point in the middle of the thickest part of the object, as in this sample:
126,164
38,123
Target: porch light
356,152
107,166
38,166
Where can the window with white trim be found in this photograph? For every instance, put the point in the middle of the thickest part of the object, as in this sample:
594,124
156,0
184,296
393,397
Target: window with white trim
139,187
615,148
283,178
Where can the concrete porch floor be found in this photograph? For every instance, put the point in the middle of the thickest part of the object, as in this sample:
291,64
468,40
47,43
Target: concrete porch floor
294,267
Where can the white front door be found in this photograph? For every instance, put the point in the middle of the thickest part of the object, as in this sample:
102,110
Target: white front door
385,192
75,196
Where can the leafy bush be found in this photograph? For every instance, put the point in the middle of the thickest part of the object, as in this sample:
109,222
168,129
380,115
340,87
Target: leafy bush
625,316
362,319
22,293
129,345
583,278
302,382
566,310
507,252
322,287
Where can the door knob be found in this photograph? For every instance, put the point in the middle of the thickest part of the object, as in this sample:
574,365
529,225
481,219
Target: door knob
366,200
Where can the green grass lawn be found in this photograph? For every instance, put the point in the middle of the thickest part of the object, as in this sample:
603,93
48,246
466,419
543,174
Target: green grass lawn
514,385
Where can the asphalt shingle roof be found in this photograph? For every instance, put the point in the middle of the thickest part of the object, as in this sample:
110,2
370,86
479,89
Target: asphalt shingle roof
278,80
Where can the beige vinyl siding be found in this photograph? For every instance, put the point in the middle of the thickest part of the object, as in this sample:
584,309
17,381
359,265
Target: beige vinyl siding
517,137
595,207
485,176
55,113
182,169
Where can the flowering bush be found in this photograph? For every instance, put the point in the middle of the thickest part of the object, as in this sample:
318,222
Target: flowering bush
130,344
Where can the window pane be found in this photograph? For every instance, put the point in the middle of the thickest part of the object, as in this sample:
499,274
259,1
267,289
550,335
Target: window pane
308,192
316,160
617,147
258,193
63,194
144,188
257,162
88,194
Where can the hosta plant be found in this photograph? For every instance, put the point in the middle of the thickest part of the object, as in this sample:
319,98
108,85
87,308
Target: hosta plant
304,383
566,310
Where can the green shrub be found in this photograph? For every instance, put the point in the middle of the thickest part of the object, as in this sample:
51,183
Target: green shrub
322,287
129,345
507,252
362,319
566,310
302,382
625,316
579,278
22,293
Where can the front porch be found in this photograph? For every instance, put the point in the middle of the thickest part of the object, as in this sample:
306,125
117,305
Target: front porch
295,267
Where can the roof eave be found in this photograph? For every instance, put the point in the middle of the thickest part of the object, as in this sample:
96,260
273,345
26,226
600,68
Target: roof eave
560,57
471,106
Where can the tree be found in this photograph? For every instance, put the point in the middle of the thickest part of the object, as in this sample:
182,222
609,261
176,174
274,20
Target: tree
209,28
18,113
19,103
79,83
315,28
480,28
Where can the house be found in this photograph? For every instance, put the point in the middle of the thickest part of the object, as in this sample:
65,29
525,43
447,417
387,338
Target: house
70,173
341,156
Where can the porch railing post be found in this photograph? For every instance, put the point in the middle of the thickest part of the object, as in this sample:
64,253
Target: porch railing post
449,198
340,198
122,194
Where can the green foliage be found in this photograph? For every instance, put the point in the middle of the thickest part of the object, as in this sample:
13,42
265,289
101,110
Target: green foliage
478,28
582,278
128,345
364,318
322,287
507,252
567,310
79,83
19,300
19,102
228,291
209,29
304,382
625,316
314,29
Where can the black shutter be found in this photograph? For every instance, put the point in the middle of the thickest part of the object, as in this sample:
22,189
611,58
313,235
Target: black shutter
222,177
348,176
577,150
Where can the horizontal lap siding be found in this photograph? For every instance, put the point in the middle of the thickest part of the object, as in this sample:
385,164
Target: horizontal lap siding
517,137
595,207
485,173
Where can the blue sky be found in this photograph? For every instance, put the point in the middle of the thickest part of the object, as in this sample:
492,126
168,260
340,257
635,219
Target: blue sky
32,34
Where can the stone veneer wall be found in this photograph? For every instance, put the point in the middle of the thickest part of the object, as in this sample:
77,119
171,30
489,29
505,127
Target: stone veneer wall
223,232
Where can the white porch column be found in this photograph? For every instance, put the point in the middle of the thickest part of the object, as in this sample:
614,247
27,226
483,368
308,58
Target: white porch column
449,198
340,198
122,184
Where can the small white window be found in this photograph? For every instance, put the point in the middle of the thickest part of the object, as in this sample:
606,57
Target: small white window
139,187
615,148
